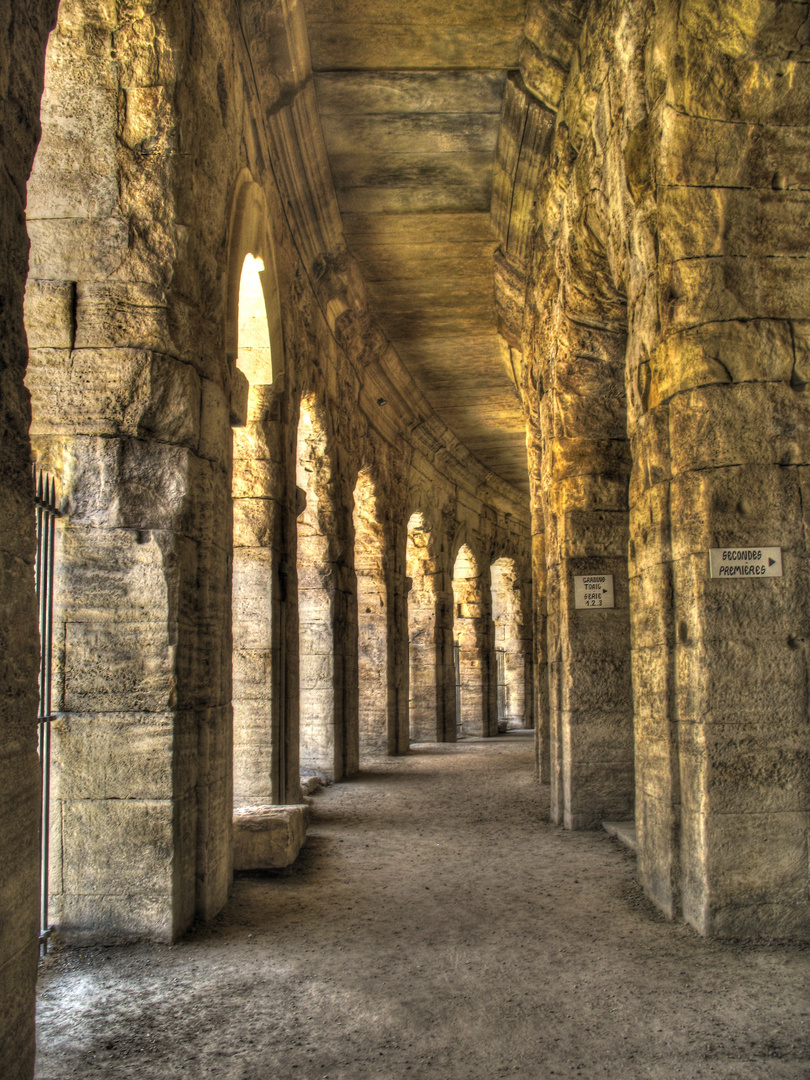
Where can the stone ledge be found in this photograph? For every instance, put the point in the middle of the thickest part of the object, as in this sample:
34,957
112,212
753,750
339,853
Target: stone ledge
268,837
624,831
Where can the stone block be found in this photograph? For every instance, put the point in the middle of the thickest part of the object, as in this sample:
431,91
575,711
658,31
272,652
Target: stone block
595,791
215,425
711,82
656,764
18,980
252,672
75,172
744,768
736,863
214,869
214,744
593,534
115,392
651,608
696,151
126,483
774,25
123,756
604,735
755,351
254,522
253,573
268,837
259,479
718,221
49,314
259,440
651,453
72,249
730,287
739,424
657,851
742,506
588,492
19,881
117,846
115,668
740,682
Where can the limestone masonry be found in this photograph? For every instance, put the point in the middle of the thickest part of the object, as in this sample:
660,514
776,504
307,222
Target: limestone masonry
406,372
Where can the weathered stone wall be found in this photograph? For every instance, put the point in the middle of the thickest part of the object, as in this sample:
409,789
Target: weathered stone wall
180,560
661,371
23,36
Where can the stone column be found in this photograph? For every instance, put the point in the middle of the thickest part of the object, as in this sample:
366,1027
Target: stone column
398,638
258,485
509,629
22,43
541,690
585,467
373,621
422,635
473,636
445,671
131,415
719,364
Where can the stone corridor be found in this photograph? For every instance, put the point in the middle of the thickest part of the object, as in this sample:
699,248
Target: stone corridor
435,925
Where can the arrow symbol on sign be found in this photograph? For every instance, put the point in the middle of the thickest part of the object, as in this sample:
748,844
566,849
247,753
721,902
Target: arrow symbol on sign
604,590
771,562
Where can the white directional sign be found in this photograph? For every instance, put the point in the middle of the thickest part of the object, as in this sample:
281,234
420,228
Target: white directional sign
593,591
745,562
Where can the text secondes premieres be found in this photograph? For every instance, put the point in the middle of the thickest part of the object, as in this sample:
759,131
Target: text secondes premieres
745,562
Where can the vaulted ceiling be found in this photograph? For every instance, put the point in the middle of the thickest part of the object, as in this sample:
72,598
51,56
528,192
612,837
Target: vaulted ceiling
409,95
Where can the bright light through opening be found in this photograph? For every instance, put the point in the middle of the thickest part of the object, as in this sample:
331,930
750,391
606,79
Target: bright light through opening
254,357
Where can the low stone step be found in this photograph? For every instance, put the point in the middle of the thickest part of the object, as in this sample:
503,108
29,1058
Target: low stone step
625,831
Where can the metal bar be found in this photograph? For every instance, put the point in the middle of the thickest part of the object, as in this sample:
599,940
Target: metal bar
45,501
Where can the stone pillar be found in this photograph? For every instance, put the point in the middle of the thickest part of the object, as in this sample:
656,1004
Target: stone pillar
131,415
540,687
373,621
585,468
22,43
346,643
422,635
259,720
445,671
398,639
473,636
430,631
509,630
320,681
719,365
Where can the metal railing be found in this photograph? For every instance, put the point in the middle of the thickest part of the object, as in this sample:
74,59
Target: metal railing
45,500
457,669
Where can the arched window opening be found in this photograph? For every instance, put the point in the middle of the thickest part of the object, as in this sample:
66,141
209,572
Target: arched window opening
510,647
471,619
372,620
422,570
255,354
321,736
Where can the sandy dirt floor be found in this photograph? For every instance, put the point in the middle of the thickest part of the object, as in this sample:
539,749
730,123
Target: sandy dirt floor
435,925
